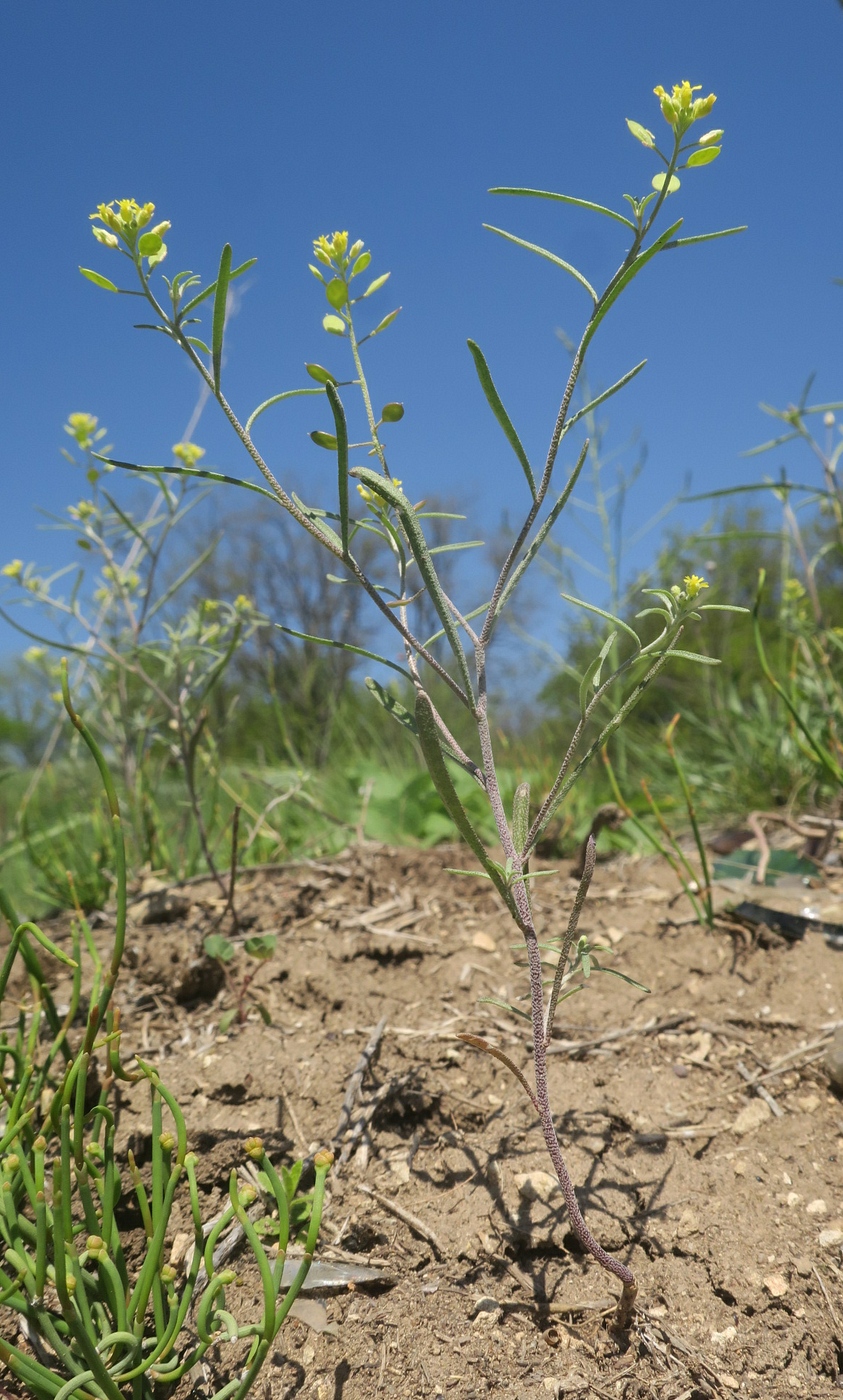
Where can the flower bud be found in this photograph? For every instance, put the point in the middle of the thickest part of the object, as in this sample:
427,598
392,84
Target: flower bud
253,1147
324,1159
167,1142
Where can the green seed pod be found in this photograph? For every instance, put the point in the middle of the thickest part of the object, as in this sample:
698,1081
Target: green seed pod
326,440
392,412
320,374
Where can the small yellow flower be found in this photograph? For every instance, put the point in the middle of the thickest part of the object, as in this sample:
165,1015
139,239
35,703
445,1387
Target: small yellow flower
34,654
372,498
83,428
694,585
13,569
242,603
125,221
680,108
331,249
188,453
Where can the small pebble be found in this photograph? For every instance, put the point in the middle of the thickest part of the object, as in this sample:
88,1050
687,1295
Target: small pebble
817,1207
833,1061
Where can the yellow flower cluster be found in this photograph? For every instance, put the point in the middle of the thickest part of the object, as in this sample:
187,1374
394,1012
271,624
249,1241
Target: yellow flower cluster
188,453
694,585
335,250
680,108
124,218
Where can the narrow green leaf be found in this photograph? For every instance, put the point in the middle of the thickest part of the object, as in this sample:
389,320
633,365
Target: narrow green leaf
609,298
334,325
197,344
475,612
506,1006
696,656
551,257
607,394
544,530
755,486
610,617
382,325
493,399
706,237
392,706
342,461
568,199
613,972
276,398
702,157
458,544
345,646
209,291
415,536
98,279
428,733
218,324
189,471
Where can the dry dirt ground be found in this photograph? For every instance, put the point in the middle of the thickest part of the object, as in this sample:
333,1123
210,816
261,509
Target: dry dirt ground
729,1210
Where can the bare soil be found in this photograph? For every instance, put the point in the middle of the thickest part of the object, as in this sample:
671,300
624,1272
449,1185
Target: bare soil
730,1213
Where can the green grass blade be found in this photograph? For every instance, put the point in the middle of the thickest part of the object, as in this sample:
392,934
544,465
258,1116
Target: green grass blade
218,324
551,257
493,399
568,199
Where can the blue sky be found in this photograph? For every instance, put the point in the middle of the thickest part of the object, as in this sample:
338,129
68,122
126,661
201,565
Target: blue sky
266,124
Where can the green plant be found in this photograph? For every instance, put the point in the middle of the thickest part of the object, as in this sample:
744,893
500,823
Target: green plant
453,661
98,1325
806,669
257,948
696,884
148,660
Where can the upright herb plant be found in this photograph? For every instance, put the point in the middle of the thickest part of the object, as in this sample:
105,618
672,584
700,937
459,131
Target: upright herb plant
456,655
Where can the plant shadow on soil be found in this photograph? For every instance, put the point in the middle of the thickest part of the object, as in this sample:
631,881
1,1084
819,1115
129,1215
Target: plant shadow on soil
731,1216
